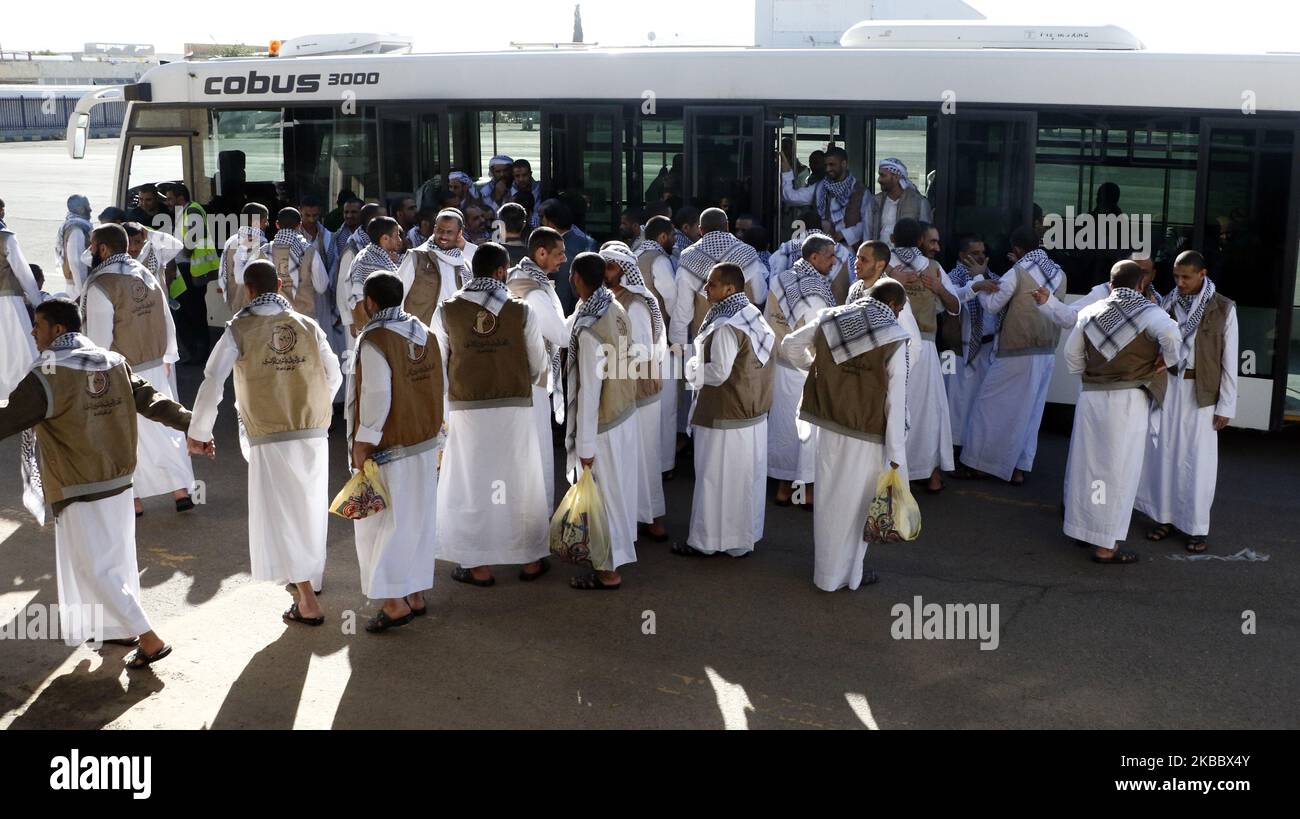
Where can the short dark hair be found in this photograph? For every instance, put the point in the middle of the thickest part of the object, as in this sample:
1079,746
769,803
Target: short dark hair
557,213
657,227
288,218
756,236
256,209
513,215
879,250
309,200
133,229
384,289
907,232
713,219
369,211
523,163
1125,273
590,267
687,215
489,258
260,275
180,189
61,311
635,213
815,243
379,227
525,200
730,273
346,195
113,235
837,152
1190,258
965,240
889,291
660,208
543,237
1024,238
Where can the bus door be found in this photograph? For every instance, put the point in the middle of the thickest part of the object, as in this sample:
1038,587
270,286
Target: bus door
726,164
582,151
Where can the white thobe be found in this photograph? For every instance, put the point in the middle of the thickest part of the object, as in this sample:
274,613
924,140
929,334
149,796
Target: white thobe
1001,433
850,468
615,464
288,481
74,244
929,435
792,444
730,496
756,274
544,307
665,283
397,547
963,383
94,552
162,460
15,325
807,195
1107,444
492,504
649,467
1181,465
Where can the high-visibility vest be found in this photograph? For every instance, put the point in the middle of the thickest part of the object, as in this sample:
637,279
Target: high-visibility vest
204,258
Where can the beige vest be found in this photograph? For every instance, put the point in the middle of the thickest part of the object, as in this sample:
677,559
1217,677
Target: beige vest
279,378
8,281
236,295
1133,367
924,304
302,295
87,442
1026,330
648,384
139,319
848,398
67,262
415,412
422,299
520,288
1207,370
487,360
618,391
646,264
745,397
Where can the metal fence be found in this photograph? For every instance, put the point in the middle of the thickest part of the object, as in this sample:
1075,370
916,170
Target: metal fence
45,115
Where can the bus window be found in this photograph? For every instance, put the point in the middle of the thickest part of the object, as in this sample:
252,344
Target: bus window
329,152
722,160
906,138
807,136
659,157
243,154
429,170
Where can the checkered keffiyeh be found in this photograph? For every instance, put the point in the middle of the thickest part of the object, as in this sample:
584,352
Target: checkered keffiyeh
1188,311
960,275
399,321
1112,329
531,269
266,300
800,285
908,255
1039,265
833,197
119,264
621,255
370,260
590,310
713,248
859,327
739,313
494,291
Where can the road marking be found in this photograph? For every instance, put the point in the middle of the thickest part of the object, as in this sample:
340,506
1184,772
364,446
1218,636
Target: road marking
1244,554
858,702
733,702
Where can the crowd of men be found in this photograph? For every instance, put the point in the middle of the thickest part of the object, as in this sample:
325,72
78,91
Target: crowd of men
452,345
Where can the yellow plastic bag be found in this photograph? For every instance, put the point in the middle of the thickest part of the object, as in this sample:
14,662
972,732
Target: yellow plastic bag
579,531
893,515
363,495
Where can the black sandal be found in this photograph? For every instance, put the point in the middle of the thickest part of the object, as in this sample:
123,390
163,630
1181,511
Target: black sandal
869,577
543,566
382,622
463,575
1121,557
1196,544
295,616
129,642
420,612
682,549
141,660
1161,532
184,504
592,582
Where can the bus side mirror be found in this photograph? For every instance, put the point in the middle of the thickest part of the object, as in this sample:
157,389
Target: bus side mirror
79,129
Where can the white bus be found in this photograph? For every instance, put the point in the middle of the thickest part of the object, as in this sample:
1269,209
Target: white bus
1204,144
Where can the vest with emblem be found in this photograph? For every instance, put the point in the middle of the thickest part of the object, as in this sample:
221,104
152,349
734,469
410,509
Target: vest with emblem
426,286
745,397
1207,367
87,441
925,304
1133,367
302,295
1026,330
618,390
280,379
645,371
487,359
8,281
848,398
139,318
415,410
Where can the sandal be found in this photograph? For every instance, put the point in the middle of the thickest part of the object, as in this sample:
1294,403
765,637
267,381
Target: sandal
129,642
1121,556
382,622
420,612
140,660
1160,532
543,566
680,548
591,582
292,588
782,503
184,504
1196,544
644,529
295,616
869,577
463,575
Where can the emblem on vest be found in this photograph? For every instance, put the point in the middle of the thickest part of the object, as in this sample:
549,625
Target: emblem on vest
139,291
96,384
415,353
283,338
485,324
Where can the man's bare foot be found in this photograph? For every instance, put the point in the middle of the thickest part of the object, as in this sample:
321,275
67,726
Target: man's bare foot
139,507
1017,477
415,601
395,608
151,643
485,572
936,482
181,493
308,605
657,529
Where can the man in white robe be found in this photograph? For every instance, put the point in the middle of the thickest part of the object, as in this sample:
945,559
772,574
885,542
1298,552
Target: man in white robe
857,399
1120,346
837,198
1001,436
492,504
124,309
602,431
797,295
930,293
971,276
532,280
155,249
395,417
239,251
783,258
77,412
448,252
1182,464
72,242
715,246
731,374
648,344
322,239
285,379
654,258
18,289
